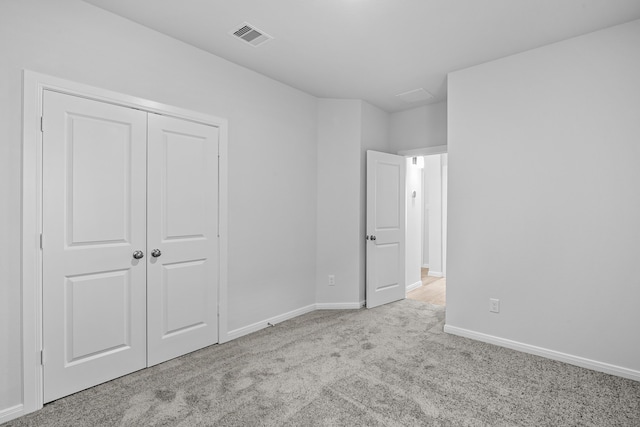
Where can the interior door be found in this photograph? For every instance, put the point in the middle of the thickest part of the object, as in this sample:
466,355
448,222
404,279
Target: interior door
94,218
182,237
385,228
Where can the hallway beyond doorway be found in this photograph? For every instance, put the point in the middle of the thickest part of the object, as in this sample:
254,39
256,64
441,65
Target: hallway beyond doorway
433,289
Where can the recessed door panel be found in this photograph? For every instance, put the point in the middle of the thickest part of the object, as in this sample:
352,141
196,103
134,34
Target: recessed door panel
98,180
185,199
97,302
387,196
94,218
182,226
184,297
388,255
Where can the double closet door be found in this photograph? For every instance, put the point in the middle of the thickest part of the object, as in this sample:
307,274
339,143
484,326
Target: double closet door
130,240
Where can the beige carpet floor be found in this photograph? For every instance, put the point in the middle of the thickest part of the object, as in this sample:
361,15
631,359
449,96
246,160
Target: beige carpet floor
388,366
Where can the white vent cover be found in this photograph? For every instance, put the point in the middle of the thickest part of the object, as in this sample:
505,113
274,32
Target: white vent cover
415,95
250,34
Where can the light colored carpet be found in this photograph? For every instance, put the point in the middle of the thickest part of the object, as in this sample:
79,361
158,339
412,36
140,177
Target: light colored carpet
390,366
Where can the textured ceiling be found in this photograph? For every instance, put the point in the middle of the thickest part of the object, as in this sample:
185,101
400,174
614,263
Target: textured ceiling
373,49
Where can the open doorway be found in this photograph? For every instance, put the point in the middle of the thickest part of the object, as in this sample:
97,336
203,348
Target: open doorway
426,228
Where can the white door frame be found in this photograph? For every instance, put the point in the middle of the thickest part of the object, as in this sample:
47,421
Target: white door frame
34,85
428,151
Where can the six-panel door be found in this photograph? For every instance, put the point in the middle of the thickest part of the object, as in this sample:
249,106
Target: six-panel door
94,218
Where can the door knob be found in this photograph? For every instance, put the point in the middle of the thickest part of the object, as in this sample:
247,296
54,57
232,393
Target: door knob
156,253
373,237
138,254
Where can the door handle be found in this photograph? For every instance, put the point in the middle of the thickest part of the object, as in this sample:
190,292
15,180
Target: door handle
156,253
138,254
373,237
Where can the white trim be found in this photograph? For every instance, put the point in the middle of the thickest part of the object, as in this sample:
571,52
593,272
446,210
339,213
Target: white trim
425,265
223,242
545,352
255,327
427,151
435,273
339,305
413,286
11,413
31,215
34,85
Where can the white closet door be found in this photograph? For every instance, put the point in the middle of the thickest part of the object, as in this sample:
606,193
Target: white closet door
182,233
94,296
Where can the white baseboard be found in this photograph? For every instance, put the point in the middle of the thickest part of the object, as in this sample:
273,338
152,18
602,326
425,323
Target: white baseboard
12,413
425,265
339,305
545,352
435,273
245,330
413,286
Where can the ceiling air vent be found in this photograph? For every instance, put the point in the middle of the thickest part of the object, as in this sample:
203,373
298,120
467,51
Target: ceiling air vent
250,34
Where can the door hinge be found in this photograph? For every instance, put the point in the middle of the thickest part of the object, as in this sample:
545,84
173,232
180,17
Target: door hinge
42,357
41,124
41,241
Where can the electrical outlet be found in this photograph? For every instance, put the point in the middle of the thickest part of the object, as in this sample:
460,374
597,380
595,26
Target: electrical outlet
332,280
494,305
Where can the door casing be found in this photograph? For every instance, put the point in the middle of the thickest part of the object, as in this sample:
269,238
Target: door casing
34,85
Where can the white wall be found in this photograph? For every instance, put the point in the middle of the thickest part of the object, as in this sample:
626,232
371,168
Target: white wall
414,214
375,136
445,208
544,152
425,216
419,127
346,130
433,211
272,151
338,200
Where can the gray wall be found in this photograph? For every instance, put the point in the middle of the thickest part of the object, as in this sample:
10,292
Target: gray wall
347,128
375,136
272,151
544,205
339,135
419,127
